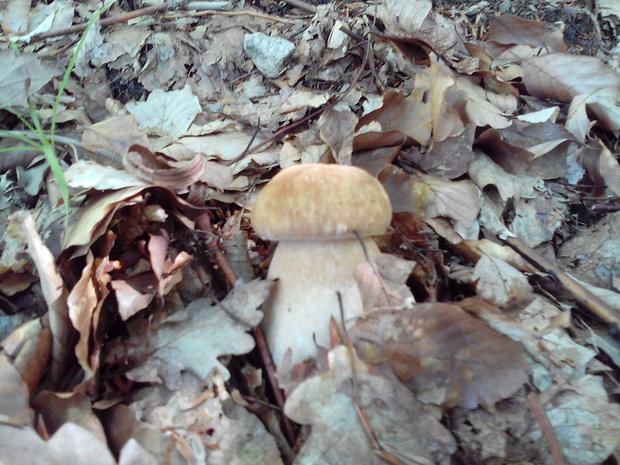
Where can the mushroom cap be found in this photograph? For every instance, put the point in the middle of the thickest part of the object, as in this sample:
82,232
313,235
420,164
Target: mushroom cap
322,202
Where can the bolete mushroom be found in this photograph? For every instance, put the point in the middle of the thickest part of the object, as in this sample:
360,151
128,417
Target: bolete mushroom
315,212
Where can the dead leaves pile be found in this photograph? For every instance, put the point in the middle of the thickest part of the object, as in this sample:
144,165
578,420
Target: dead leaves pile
123,326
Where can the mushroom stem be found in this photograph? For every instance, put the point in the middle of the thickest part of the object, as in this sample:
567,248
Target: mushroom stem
310,273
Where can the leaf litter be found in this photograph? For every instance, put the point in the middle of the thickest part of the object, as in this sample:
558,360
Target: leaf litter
130,329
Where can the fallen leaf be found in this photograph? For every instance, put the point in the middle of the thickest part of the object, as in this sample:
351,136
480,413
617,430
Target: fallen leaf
331,402
21,76
208,332
500,284
53,287
444,355
14,396
563,76
512,30
166,113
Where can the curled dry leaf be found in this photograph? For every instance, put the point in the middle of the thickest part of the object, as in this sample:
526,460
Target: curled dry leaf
444,355
405,429
85,301
56,409
156,170
30,347
54,290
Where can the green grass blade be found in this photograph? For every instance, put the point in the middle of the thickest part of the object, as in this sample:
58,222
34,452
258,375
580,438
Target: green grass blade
76,52
24,139
52,160
22,118
21,147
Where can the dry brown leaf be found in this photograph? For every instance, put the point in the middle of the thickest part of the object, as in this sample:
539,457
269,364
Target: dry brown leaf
20,76
71,444
512,30
134,294
381,281
602,166
593,254
448,158
155,169
574,410
56,409
53,287
15,20
398,118
336,128
82,302
562,77
404,428
513,159
168,271
444,355
14,396
501,284
459,201
197,338
403,17
115,135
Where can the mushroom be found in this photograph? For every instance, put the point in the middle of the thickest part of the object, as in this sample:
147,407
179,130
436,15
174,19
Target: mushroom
315,212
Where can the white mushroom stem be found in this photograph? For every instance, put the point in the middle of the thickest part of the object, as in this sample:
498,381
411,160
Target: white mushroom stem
310,273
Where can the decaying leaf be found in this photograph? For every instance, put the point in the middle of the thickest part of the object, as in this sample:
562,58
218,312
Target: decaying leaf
501,284
585,424
20,76
208,331
562,76
381,281
404,428
54,290
444,355
167,113
14,395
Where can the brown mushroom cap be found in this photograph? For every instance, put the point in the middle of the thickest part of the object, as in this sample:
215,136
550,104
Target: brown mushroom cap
317,201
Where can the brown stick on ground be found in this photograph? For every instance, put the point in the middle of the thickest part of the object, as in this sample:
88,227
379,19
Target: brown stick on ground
547,430
104,22
583,296
203,222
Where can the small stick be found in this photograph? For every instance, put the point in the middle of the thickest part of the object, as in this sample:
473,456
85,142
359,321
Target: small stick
232,13
203,222
583,296
547,430
104,22
302,5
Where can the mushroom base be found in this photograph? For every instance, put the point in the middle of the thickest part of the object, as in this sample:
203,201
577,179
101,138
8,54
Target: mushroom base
310,274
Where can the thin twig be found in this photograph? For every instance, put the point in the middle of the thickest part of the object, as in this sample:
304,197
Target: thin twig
302,5
584,297
361,412
104,22
547,430
204,222
231,13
